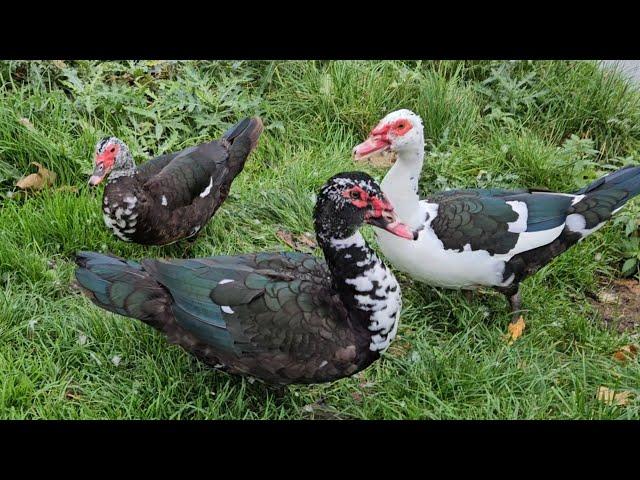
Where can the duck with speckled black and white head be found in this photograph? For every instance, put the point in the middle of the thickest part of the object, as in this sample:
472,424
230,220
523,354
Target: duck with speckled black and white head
171,197
483,237
279,317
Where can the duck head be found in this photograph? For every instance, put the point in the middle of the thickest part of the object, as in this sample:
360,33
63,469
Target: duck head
399,131
111,154
350,199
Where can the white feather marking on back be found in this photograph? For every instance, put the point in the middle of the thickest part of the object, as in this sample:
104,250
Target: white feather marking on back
226,309
207,190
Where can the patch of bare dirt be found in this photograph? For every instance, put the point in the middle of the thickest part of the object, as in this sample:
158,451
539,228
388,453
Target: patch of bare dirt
619,304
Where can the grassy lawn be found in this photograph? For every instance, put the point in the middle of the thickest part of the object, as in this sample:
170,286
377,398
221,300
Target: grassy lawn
545,124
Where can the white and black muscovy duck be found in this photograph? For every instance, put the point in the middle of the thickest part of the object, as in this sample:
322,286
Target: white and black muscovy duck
280,317
484,237
172,196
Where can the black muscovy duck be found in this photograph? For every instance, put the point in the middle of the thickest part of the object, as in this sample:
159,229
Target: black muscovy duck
280,317
173,196
485,237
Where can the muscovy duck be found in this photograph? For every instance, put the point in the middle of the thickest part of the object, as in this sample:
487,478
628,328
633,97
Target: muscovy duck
484,237
172,196
279,317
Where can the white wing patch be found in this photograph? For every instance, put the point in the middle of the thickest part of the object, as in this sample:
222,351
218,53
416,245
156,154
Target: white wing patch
577,223
520,225
207,190
164,200
226,309
225,280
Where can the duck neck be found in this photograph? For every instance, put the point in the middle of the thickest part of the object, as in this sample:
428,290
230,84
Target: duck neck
367,288
125,168
400,185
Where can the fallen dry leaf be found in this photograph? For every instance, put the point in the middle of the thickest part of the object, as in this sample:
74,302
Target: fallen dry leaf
307,239
37,181
302,243
628,352
60,64
357,396
515,330
610,397
26,123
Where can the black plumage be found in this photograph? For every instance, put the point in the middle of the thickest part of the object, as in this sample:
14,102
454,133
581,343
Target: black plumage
280,317
173,196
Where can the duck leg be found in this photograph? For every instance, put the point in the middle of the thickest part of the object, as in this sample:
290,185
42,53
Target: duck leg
517,324
515,301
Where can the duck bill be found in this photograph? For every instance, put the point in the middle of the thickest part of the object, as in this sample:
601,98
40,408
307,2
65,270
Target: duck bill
96,177
389,221
372,145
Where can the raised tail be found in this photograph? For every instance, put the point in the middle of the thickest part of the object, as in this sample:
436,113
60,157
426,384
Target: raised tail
123,287
601,199
242,139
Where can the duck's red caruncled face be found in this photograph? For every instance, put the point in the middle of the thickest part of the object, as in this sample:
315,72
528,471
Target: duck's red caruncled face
379,212
382,137
104,161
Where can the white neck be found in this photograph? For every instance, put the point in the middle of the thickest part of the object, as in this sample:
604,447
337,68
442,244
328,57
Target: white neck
400,185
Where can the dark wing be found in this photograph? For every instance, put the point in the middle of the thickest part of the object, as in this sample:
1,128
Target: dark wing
205,170
155,165
494,220
252,304
188,174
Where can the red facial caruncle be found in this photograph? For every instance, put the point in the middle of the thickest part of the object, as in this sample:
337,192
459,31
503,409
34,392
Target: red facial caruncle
108,156
360,198
381,137
357,196
380,212
104,162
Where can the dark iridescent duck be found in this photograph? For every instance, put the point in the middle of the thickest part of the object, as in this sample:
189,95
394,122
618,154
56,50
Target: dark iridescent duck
173,196
280,317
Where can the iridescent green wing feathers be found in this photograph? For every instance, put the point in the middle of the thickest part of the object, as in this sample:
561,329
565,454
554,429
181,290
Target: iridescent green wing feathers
246,303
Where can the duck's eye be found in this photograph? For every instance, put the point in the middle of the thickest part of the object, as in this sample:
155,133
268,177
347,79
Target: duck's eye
355,194
112,149
401,126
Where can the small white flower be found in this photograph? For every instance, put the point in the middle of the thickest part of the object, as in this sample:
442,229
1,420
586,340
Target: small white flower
82,339
32,324
116,360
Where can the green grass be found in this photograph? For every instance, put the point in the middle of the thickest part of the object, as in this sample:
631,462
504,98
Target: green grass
488,123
